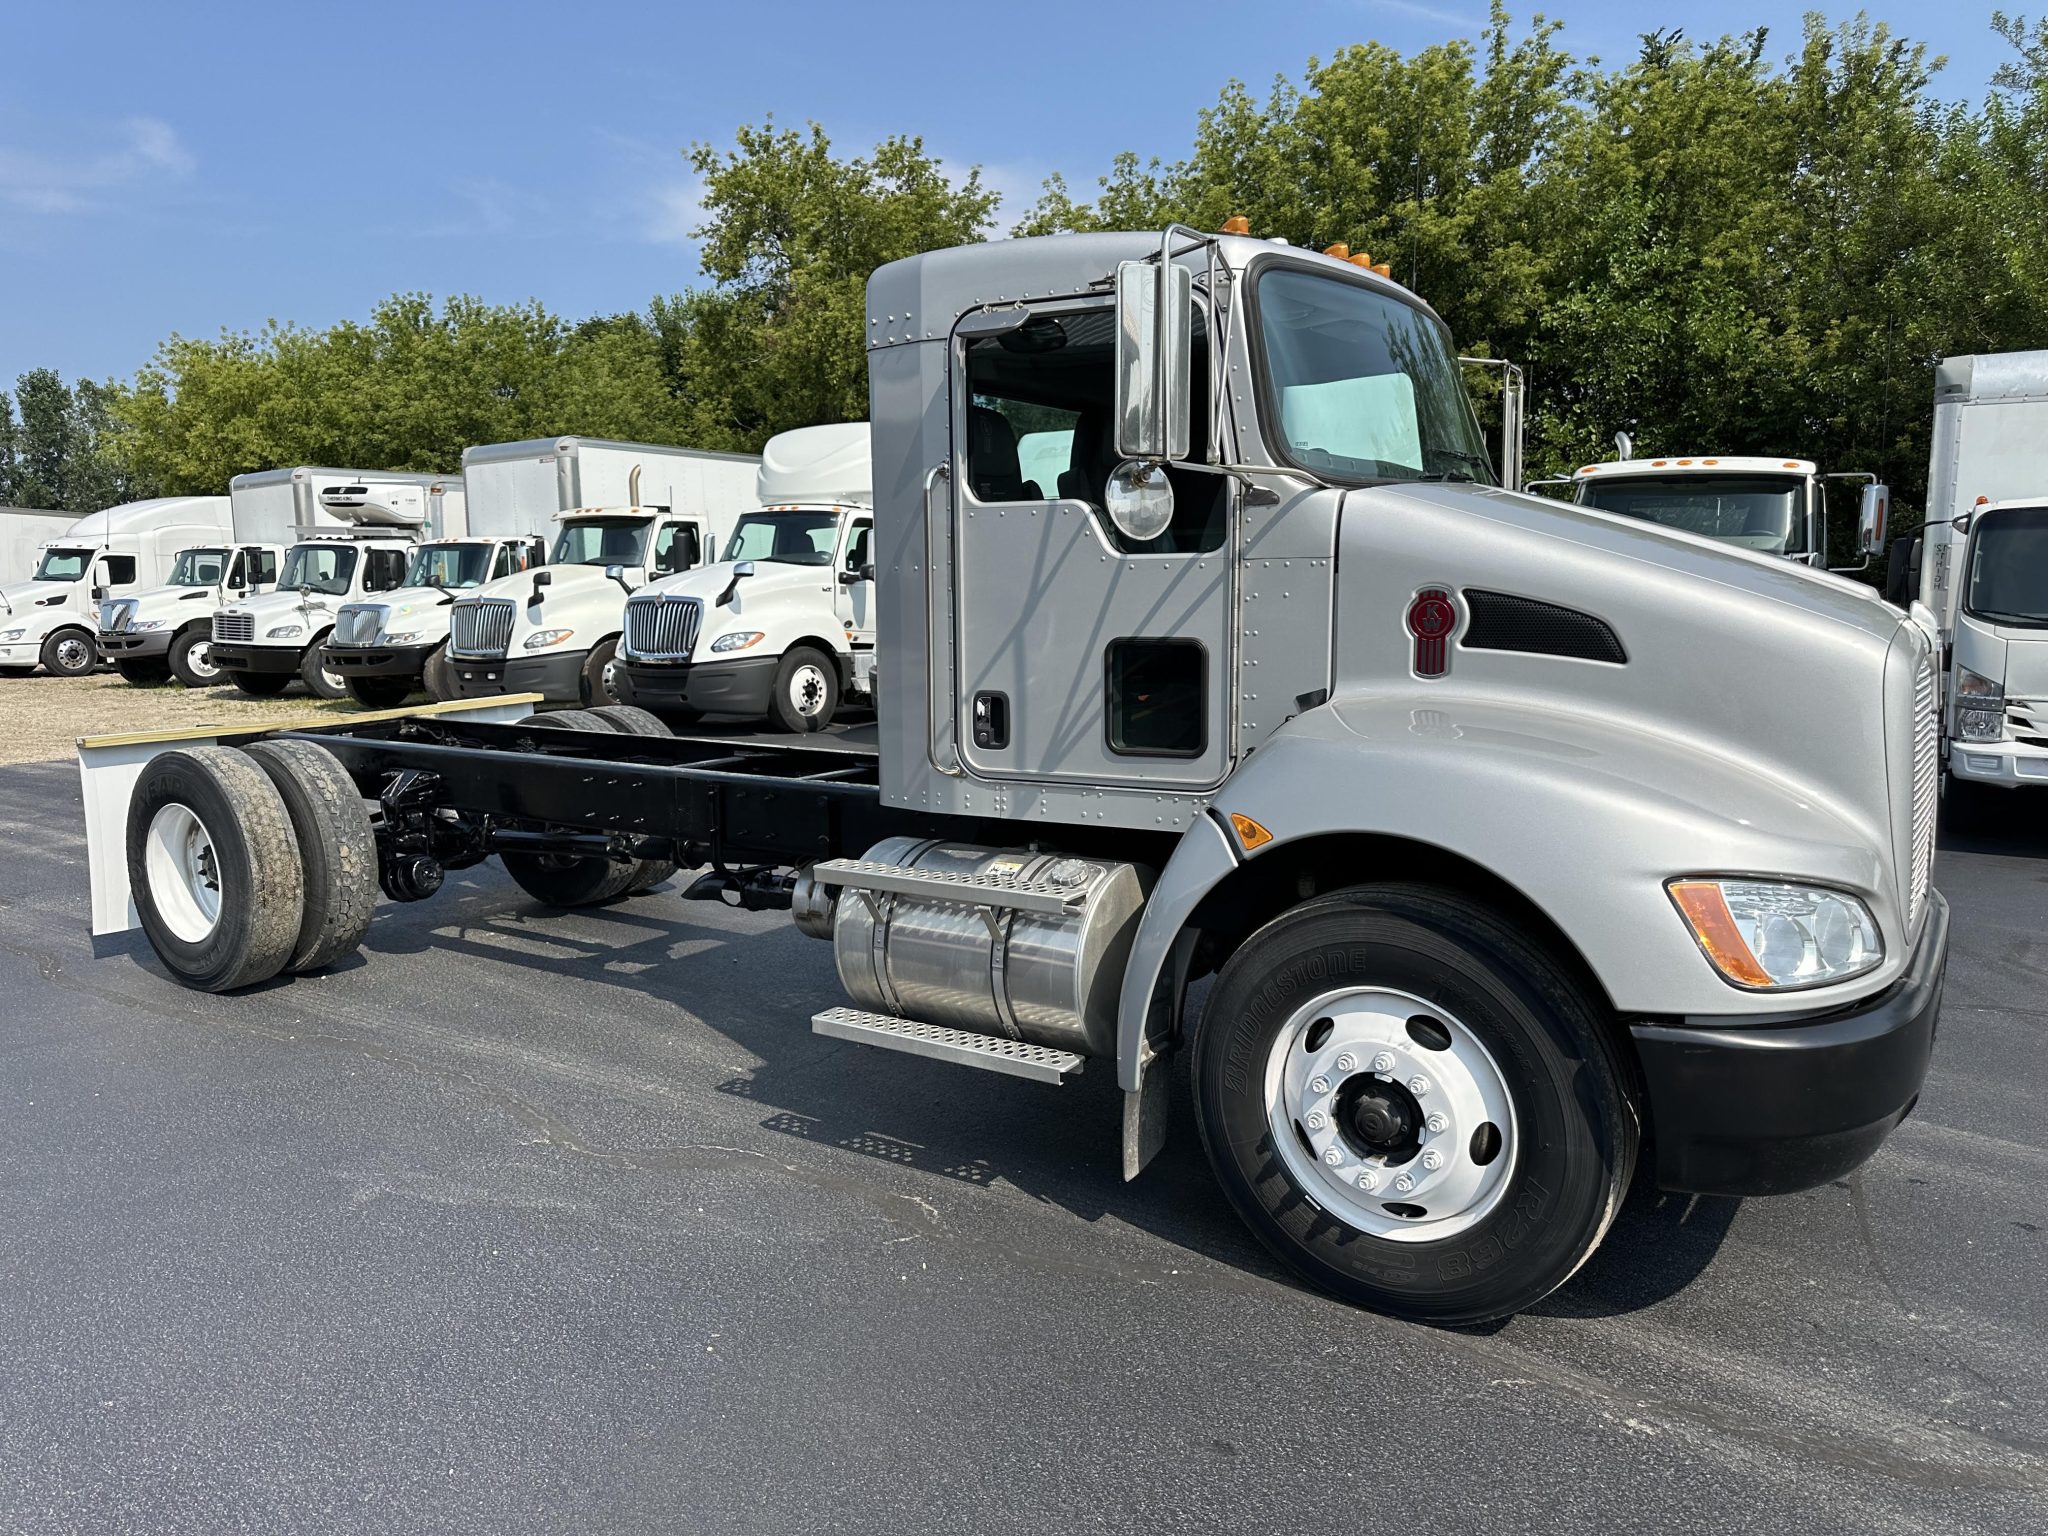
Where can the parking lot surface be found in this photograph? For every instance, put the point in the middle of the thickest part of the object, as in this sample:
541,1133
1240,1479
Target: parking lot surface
546,1222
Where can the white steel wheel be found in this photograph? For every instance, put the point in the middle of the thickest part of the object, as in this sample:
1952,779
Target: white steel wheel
199,660
1392,1112
184,872
808,690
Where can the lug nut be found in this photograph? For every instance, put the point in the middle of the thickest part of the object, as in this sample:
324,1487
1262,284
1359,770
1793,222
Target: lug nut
1432,1160
1368,1180
1333,1157
1418,1085
1316,1120
1319,1085
1404,1183
1347,1063
1384,1062
1438,1124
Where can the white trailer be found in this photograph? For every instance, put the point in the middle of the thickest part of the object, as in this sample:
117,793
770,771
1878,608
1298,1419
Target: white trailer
23,531
1984,564
623,513
51,619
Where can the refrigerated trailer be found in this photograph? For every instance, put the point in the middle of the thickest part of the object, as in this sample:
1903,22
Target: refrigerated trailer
1506,858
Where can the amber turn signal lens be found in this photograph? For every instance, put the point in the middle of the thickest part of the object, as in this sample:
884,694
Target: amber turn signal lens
1250,834
1705,910
1236,224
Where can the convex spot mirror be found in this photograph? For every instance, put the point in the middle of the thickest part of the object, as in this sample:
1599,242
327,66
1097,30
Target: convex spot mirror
1870,519
1139,500
1155,307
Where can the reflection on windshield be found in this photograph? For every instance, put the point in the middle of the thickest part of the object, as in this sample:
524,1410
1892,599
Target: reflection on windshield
602,541
449,566
199,568
319,568
1758,512
1364,386
2008,582
792,538
62,565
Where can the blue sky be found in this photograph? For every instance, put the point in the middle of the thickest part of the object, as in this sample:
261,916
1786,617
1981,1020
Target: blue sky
169,168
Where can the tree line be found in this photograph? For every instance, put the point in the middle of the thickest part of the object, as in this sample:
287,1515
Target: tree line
1709,246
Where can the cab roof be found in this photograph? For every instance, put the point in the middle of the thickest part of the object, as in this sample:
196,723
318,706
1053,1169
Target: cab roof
1695,464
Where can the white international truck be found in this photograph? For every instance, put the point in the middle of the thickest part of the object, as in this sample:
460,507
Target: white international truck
52,619
363,545
1984,565
783,626
1773,506
1511,856
23,533
623,513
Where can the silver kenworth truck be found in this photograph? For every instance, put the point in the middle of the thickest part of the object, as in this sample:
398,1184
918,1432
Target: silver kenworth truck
1209,648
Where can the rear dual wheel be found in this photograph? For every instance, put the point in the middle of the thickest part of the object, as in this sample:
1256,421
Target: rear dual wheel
585,880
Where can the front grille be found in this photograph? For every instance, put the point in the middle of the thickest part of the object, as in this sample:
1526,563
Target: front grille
359,624
116,615
2026,720
236,628
480,627
663,628
1926,790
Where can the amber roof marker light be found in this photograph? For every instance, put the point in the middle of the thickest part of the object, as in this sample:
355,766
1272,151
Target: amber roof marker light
1236,224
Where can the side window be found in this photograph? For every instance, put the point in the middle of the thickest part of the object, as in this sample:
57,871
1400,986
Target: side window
385,570
1158,698
262,567
675,549
1038,426
119,570
501,564
857,546
238,572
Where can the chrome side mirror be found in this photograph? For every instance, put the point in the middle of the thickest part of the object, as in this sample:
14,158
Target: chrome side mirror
1139,501
1155,308
1870,519
616,573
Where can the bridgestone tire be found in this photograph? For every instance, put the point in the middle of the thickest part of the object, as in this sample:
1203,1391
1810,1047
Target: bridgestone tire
783,704
254,859
630,720
337,849
593,688
313,672
1575,1141
143,674
260,685
566,880
438,676
379,692
62,657
184,668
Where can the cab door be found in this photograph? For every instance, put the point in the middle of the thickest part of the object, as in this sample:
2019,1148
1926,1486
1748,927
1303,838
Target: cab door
853,599
1081,656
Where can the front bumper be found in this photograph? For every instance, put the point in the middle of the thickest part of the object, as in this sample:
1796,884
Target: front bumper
129,646
557,676
741,687
2009,763
1765,1108
255,658
21,653
377,660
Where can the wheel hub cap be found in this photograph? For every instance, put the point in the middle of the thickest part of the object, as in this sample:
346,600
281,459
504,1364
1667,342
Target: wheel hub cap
807,688
183,872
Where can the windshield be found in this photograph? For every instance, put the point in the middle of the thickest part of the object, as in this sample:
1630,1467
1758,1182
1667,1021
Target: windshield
449,566
199,567
1750,511
603,541
1363,386
62,565
322,567
2008,581
793,538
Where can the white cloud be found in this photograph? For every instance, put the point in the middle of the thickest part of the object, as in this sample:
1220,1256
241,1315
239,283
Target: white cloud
134,153
673,211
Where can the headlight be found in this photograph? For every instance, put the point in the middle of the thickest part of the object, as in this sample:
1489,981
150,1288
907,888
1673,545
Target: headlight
1768,935
403,637
540,639
738,640
147,626
285,632
1980,707
13,634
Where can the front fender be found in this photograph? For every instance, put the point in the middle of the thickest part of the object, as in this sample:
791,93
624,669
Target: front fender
1586,818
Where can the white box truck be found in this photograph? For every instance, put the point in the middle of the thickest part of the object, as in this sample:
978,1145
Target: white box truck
1984,564
24,531
783,627
261,643
51,620
623,513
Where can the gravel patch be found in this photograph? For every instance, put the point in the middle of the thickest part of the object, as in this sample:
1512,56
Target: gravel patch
41,718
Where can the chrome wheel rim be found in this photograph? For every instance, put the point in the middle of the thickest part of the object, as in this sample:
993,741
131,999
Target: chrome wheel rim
1391,1114
72,654
183,872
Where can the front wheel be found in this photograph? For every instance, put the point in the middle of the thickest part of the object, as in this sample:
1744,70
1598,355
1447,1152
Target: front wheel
321,680
378,692
70,653
600,676
806,692
142,673
192,659
1411,1105
438,676
261,685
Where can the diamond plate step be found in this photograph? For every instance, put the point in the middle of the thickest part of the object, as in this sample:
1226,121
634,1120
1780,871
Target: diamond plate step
1039,1063
938,885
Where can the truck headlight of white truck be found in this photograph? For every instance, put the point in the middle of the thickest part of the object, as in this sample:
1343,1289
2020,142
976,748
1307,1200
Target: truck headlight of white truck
1980,707
738,640
285,632
541,639
12,634
1770,935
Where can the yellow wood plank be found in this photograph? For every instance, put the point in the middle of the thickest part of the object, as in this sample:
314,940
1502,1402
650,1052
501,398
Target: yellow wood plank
226,732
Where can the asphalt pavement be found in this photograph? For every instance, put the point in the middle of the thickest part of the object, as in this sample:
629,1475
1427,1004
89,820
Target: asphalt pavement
532,1222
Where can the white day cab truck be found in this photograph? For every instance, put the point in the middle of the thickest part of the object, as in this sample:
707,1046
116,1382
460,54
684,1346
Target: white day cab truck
1509,863
783,627
23,533
168,630
1984,567
623,514
52,619
263,644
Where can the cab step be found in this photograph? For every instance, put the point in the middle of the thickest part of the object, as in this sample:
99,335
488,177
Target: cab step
939,885
1041,1064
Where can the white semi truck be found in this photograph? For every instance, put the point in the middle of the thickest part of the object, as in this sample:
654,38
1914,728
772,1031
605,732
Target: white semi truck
1773,506
782,627
1513,860
52,619
1984,564
23,532
623,513
261,644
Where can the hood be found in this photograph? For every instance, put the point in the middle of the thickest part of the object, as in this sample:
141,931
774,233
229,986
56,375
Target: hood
413,600
23,595
770,577
160,602
267,605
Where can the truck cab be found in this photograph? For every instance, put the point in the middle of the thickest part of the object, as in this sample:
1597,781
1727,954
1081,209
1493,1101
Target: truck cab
1998,677
555,630
1772,506
384,650
167,631
261,644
